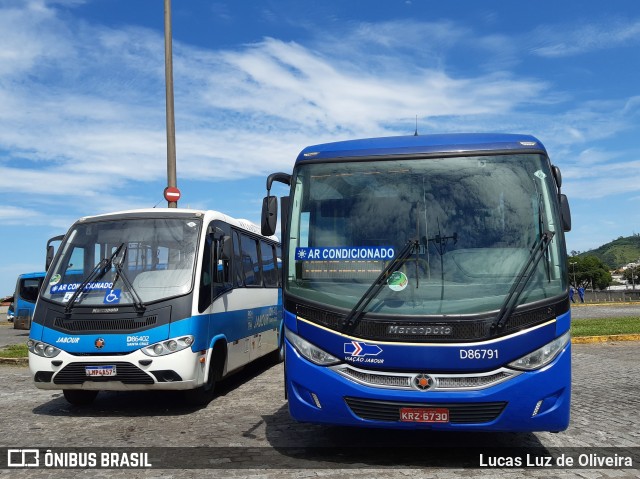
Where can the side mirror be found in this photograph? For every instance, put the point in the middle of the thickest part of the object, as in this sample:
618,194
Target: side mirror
50,252
269,215
557,175
565,212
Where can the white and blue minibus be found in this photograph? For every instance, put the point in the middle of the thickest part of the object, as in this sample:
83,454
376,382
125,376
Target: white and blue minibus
165,299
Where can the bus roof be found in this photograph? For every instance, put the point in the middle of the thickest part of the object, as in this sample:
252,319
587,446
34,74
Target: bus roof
462,143
39,274
207,215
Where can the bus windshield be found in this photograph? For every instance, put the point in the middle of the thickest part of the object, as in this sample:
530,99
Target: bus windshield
472,223
125,261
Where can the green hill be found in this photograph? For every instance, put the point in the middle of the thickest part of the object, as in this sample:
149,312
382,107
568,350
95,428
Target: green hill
618,252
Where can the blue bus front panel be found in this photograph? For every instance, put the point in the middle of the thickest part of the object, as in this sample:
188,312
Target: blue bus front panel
122,352
519,401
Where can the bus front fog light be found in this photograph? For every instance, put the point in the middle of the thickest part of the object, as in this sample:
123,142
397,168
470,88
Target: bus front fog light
537,408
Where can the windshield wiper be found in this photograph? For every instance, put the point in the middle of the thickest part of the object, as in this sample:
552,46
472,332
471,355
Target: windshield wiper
542,221
538,251
354,316
98,272
137,301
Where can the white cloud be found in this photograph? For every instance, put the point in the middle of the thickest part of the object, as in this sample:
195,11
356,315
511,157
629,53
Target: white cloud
82,105
565,40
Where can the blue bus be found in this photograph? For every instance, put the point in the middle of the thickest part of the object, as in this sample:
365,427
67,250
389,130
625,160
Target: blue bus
25,297
164,299
425,284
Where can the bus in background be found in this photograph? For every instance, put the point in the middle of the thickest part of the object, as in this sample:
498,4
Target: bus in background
425,284
28,287
24,298
165,299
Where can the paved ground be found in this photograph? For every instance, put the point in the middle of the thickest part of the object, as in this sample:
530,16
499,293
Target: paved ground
248,433
9,336
605,310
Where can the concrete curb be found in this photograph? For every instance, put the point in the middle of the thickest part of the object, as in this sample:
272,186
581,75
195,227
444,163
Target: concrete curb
605,339
15,361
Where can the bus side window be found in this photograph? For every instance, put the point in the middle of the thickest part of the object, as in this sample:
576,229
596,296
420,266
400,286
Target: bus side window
222,257
250,262
206,277
269,266
238,273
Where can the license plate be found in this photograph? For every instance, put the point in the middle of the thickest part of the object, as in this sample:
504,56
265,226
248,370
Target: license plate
100,371
420,414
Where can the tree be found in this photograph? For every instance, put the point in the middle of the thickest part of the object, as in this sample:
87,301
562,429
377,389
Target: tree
632,275
588,272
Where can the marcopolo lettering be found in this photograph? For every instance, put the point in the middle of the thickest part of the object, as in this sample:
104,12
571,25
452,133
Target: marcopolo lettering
420,330
358,253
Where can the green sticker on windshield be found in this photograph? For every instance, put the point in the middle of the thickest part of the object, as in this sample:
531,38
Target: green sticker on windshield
55,279
397,281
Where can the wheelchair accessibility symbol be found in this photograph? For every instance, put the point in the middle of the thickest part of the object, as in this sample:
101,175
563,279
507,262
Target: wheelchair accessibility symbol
112,297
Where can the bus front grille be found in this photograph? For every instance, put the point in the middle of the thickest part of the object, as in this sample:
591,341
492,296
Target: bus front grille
126,373
389,411
116,324
404,329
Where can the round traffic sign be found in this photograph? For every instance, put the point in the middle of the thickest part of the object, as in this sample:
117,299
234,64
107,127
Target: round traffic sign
171,193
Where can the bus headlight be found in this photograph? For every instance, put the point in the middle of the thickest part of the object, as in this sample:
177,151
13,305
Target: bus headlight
542,356
309,351
42,349
169,346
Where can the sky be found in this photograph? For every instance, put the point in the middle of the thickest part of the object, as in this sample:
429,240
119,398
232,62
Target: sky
82,99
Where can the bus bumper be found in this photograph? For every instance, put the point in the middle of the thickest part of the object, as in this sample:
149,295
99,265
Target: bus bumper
533,401
134,371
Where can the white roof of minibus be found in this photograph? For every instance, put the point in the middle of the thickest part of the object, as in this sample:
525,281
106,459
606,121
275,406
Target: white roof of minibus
207,214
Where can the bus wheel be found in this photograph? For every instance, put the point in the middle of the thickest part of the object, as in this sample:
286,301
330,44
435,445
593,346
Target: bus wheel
203,395
278,355
79,397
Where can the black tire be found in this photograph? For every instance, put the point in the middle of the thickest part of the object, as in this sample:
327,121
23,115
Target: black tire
79,397
278,355
204,394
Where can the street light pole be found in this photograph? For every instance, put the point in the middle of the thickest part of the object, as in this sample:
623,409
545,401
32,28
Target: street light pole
573,264
171,128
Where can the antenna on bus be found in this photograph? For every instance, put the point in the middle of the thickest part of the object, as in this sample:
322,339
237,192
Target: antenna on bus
416,132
